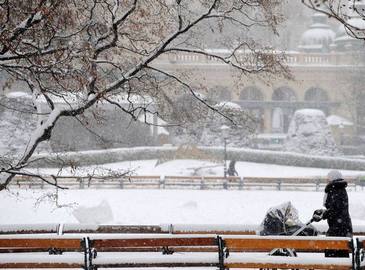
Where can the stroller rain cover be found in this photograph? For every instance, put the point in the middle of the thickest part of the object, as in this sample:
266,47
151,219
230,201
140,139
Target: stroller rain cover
283,220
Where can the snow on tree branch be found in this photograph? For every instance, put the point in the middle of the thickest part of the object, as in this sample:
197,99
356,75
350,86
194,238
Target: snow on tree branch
350,13
77,54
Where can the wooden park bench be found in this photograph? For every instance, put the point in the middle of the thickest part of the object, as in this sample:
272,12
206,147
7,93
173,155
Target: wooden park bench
154,251
221,252
253,252
35,252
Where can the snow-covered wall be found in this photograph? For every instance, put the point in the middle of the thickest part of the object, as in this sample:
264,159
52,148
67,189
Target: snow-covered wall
239,154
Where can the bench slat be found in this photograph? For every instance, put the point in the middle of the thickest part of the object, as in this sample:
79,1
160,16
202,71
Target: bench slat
158,249
153,242
30,243
32,249
299,245
287,266
218,232
40,265
147,265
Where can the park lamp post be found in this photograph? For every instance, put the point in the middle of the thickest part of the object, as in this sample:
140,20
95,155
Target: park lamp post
224,130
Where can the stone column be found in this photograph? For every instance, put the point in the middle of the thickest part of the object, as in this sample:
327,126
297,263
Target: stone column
267,120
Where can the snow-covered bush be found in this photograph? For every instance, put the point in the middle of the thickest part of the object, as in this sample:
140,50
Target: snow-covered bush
309,133
101,128
16,124
218,127
189,115
204,127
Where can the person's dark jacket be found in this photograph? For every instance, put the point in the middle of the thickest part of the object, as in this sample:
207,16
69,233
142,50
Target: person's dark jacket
337,213
231,169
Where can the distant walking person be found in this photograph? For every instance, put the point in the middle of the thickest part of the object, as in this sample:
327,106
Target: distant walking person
231,168
337,210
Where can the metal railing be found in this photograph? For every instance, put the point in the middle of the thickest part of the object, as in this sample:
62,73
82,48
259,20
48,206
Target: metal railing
184,182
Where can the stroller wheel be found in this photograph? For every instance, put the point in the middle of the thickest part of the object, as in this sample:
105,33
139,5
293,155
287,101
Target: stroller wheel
282,252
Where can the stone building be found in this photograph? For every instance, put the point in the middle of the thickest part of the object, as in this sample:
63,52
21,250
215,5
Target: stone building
328,68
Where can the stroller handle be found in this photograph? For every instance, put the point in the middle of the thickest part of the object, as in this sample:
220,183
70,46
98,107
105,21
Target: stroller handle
302,228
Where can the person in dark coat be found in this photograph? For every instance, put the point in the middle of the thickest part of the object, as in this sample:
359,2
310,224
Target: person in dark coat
231,168
336,212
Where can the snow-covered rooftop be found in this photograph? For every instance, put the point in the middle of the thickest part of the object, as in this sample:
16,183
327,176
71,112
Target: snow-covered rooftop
319,35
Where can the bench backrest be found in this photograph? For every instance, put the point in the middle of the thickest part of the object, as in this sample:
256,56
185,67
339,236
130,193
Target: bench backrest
155,244
237,245
265,244
39,244
21,253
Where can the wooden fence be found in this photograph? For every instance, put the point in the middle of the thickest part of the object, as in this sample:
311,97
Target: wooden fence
184,182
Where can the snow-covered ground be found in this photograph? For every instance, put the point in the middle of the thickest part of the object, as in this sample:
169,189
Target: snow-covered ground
198,167
156,207
161,206
170,206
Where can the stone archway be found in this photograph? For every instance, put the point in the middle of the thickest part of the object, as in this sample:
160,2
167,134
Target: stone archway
253,93
284,93
316,96
281,113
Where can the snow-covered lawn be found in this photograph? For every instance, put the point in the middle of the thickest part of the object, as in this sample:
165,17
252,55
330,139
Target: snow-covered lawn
170,206
161,206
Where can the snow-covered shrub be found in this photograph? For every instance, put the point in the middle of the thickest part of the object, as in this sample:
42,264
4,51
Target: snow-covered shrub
309,133
203,126
16,125
101,128
189,114
238,125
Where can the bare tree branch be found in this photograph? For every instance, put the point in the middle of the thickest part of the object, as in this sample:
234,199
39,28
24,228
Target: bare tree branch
77,54
341,11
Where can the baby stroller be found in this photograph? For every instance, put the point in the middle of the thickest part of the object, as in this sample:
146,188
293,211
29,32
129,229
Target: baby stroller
283,220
